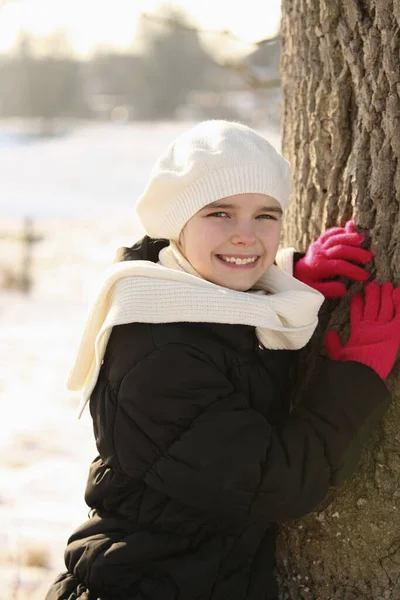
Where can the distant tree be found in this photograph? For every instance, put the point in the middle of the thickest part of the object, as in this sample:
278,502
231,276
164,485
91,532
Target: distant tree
173,64
114,73
46,86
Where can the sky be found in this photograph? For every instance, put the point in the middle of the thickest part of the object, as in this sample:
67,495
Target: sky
90,23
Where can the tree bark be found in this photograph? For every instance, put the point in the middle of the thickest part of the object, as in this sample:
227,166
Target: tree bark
341,133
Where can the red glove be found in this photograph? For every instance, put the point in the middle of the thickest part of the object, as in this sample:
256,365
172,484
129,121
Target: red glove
328,257
374,330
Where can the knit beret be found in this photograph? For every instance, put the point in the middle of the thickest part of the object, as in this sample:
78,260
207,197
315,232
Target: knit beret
210,161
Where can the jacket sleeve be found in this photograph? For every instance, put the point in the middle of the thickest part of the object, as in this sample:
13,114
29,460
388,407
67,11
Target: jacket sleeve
181,427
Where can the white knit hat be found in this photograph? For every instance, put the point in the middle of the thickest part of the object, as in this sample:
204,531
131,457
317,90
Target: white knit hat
213,160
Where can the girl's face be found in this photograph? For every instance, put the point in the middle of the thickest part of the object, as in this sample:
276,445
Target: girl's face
232,241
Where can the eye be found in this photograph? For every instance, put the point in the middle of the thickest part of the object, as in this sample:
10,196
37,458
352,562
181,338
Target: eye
268,216
218,214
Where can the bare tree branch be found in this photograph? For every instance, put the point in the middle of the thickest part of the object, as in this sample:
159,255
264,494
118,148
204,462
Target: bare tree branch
251,78
173,22
239,66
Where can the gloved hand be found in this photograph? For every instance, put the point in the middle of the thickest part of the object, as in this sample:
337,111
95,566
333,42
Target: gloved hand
328,257
374,338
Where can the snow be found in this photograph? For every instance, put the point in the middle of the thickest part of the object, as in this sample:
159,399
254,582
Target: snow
80,189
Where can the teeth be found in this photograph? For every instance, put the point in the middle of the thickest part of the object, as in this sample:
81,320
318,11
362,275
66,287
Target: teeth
239,261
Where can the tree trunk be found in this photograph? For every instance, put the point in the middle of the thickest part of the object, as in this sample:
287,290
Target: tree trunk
341,133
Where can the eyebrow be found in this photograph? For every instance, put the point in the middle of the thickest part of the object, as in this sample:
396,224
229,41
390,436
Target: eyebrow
218,204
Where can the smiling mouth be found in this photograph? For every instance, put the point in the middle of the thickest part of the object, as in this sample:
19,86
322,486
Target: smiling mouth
244,262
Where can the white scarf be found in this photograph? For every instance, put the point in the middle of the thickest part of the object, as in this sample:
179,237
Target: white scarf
284,316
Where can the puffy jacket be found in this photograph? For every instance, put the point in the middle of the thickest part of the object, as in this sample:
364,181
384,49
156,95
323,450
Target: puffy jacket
200,456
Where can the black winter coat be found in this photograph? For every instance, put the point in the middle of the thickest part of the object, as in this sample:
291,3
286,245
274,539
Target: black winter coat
200,456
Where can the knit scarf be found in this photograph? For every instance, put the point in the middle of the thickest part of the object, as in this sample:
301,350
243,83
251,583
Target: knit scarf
284,312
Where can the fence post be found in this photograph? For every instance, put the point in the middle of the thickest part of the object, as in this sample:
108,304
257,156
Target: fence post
24,281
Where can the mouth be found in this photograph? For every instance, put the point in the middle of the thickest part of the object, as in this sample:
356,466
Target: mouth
238,262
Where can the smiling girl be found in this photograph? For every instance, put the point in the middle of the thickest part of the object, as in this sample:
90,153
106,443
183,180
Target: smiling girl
189,361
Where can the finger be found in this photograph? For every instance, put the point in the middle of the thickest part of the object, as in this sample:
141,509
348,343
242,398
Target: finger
356,309
348,239
350,253
372,301
338,267
330,289
386,312
396,302
350,226
333,344
332,231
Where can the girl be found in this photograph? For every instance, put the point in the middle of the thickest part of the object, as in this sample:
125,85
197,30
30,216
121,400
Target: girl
188,359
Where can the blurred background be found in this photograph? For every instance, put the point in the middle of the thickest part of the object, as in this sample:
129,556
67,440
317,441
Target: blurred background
91,92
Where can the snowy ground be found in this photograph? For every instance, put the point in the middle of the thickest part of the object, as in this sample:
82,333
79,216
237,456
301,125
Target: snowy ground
81,190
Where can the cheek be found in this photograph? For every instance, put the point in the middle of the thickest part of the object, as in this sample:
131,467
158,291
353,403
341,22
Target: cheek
277,236
197,243
207,236
271,235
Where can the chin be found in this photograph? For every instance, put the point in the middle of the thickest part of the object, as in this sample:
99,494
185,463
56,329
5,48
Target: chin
243,288
238,286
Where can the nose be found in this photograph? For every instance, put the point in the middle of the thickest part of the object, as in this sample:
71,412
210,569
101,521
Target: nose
243,235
